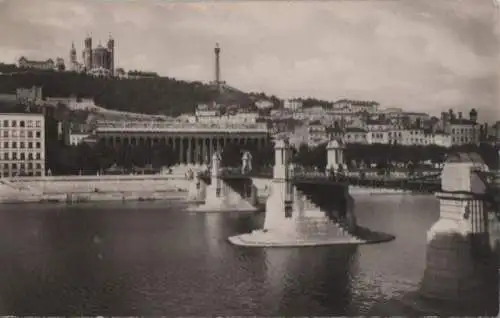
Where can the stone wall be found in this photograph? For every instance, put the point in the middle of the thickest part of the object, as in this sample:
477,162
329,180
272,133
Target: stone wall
87,188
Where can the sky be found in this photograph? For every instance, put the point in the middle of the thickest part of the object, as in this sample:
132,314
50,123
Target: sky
424,55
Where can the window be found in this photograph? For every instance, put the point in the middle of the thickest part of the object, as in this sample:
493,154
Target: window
23,156
39,166
22,133
21,123
14,155
6,166
30,134
21,145
38,145
30,145
14,123
14,166
6,134
38,123
30,156
38,156
30,123
6,123
30,165
38,134
14,144
6,156
6,144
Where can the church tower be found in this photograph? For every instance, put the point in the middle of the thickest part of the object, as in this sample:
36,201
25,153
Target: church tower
72,57
111,55
87,53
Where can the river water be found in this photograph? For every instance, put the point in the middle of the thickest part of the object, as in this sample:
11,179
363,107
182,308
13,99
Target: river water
154,258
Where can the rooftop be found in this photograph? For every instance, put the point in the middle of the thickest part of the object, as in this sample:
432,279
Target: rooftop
355,129
357,102
462,121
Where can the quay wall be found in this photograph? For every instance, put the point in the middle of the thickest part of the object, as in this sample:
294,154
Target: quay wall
77,184
92,188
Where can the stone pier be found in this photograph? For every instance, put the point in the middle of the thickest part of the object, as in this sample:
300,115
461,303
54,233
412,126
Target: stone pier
305,213
460,274
335,155
226,192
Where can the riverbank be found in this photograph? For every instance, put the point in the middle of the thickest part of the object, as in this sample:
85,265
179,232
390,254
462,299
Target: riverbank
74,189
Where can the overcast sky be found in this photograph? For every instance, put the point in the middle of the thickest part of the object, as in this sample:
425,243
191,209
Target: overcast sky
419,55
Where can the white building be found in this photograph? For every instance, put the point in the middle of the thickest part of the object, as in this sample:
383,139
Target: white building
355,135
264,104
378,125
464,131
76,138
356,106
292,104
442,139
22,144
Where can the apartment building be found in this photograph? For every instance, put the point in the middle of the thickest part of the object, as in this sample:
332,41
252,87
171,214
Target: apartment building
22,144
293,104
464,131
354,135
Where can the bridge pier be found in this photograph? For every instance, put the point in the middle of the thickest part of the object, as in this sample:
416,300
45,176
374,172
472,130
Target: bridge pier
335,156
305,214
459,260
197,189
224,193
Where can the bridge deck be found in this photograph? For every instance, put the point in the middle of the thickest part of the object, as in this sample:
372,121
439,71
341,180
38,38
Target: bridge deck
420,184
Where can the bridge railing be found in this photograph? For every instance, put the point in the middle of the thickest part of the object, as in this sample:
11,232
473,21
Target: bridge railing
418,184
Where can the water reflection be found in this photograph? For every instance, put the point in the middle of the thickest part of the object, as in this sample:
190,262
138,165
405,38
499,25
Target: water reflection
311,281
155,259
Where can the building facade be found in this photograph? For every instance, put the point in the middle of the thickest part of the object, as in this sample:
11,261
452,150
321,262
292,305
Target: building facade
464,131
29,95
22,144
49,64
293,104
194,143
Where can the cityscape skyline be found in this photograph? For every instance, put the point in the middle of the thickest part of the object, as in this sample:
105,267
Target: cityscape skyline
423,56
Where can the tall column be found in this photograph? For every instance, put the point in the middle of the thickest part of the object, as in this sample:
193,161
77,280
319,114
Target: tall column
211,151
189,151
182,156
217,64
219,145
196,151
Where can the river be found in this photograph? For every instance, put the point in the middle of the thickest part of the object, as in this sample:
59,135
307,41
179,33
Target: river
154,258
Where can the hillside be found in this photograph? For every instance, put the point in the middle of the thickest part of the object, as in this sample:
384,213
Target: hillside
161,95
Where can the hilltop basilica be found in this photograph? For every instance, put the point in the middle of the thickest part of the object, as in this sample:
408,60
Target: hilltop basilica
99,61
